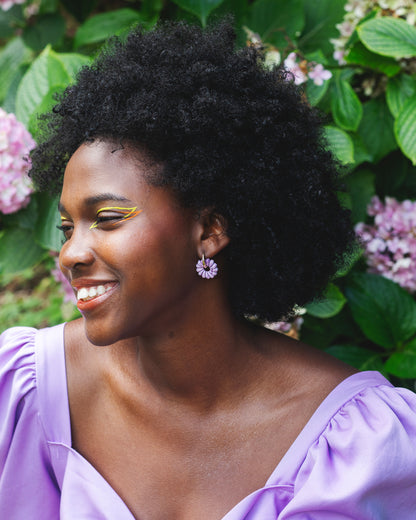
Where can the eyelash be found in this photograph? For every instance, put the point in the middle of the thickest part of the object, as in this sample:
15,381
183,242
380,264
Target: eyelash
64,229
98,220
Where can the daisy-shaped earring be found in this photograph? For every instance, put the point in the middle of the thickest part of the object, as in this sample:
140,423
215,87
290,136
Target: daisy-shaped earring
206,268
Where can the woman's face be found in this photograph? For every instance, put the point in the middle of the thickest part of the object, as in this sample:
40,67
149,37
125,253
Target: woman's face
130,248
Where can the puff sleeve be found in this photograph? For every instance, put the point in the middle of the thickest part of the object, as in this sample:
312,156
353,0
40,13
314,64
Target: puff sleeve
363,465
27,485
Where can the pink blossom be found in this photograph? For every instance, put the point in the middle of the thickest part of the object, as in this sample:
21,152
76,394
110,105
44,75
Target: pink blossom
390,242
318,74
66,288
15,143
292,66
291,328
7,4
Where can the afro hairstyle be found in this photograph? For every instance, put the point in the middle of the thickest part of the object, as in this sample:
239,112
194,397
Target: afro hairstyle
232,136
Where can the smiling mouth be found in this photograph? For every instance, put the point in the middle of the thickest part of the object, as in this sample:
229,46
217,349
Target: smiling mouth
89,293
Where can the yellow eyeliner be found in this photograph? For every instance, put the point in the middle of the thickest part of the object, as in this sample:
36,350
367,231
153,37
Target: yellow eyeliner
128,214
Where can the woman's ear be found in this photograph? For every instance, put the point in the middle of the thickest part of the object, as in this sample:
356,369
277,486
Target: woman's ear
213,234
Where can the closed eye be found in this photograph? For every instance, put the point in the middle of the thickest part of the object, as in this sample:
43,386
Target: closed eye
67,231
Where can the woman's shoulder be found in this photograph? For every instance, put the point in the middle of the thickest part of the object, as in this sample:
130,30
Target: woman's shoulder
358,453
23,352
17,353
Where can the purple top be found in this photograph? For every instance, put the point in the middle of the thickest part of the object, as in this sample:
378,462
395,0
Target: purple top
354,459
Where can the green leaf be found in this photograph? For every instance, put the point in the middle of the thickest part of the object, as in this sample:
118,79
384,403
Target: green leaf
11,56
376,129
361,154
355,356
331,305
9,103
360,55
46,232
49,28
349,261
399,89
102,26
18,251
276,20
24,218
201,8
314,92
320,24
44,106
340,144
389,37
73,62
345,105
48,6
11,19
405,129
385,312
361,187
44,72
403,364
80,8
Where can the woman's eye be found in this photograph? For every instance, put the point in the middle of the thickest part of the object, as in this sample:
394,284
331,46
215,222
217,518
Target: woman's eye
66,230
108,218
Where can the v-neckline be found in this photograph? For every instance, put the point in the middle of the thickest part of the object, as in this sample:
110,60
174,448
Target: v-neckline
53,386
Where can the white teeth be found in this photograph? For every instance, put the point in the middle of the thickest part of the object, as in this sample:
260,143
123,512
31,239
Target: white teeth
92,292
82,293
87,293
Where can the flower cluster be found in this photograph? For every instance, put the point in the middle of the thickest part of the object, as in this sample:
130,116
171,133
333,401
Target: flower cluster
302,70
358,9
390,243
15,143
7,4
290,328
66,288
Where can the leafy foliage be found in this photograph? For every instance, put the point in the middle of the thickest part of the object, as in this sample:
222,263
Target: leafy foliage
370,109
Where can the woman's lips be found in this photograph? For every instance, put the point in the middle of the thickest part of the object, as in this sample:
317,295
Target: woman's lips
90,296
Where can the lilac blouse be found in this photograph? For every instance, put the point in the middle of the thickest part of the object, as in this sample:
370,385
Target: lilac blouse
354,459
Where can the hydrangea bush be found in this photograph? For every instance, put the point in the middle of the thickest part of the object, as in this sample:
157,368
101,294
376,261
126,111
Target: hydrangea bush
353,59
357,10
15,145
390,241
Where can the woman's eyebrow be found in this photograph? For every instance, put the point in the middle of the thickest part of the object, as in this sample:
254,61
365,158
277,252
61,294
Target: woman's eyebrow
95,199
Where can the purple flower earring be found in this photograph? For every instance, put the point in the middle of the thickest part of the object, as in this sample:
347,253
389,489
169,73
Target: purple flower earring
206,267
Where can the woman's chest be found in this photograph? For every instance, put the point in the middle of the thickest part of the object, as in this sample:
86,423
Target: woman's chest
180,473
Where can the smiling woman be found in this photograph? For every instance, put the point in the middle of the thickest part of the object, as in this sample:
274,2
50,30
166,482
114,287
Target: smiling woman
196,193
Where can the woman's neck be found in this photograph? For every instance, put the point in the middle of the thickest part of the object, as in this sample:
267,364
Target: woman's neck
202,362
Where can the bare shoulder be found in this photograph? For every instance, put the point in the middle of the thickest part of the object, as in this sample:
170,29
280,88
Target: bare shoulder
304,374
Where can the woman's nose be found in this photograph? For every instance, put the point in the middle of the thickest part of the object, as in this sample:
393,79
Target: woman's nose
77,251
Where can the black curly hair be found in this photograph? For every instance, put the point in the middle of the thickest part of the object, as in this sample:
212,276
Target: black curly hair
232,136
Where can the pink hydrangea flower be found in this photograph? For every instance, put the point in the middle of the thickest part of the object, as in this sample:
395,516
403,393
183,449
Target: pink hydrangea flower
66,288
15,143
318,74
7,4
390,242
301,71
293,66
